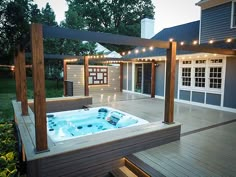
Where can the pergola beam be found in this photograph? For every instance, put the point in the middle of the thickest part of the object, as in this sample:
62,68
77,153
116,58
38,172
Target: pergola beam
17,77
23,84
170,84
65,76
86,76
39,88
58,32
121,76
153,80
206,49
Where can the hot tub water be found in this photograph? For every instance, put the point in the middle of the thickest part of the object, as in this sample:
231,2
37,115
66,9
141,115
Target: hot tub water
71,124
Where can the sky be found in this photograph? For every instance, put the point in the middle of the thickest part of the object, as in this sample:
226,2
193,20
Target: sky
168,13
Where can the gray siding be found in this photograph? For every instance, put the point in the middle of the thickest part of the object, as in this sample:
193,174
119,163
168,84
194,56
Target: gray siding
160,78
230,83
125,76
213,99
184,95
216,23
198,97
130,77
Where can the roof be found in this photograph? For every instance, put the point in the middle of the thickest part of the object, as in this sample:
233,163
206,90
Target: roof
186,32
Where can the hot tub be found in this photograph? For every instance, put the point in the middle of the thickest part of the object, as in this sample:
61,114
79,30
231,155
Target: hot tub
72,124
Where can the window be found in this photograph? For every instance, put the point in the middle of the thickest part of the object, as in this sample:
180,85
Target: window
199,74
233,23
200,77
200,61
215,77
186,76
187,62
98,75
216,61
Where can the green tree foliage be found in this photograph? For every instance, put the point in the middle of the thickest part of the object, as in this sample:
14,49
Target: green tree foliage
75,21
15,17
48,17
113,16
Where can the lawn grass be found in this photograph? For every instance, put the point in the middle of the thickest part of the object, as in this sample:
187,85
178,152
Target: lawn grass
8,89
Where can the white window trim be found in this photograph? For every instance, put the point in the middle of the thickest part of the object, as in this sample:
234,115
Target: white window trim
232,14
206,89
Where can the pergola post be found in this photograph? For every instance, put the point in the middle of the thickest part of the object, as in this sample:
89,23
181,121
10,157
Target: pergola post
170,84
17,76
23,85
121,76
86,75
39,88
65,76
153,80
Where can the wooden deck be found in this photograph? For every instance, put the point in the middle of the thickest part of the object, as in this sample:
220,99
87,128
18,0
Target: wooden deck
207,146
207,153
92,155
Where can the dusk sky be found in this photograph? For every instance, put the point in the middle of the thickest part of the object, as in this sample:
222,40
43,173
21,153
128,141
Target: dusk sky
167,12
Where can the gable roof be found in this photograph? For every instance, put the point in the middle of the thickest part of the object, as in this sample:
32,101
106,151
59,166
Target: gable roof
186,32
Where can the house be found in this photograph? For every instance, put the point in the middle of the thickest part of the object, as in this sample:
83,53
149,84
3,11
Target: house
109,54
201,78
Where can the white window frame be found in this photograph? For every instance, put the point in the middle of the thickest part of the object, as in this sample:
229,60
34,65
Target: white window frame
232,14
181,72
207,66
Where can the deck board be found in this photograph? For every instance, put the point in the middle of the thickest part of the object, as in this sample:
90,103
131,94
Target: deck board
207,153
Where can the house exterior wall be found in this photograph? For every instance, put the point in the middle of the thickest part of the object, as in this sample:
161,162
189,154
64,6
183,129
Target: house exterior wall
230,83
216,23
125,76
130,76
223,98
160,78
176,78
75,73
147,78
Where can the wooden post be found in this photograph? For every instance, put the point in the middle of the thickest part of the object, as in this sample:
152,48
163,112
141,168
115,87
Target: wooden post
121,77
23,85
17,77
153,81
170,83
65,75
86,75
39,88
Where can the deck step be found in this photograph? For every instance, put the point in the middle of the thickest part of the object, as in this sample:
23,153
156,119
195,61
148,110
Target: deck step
140,168
122,172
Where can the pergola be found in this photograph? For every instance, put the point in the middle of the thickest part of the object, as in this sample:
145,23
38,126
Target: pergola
39,31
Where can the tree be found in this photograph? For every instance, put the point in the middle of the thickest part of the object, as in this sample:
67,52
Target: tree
113,16
14,26
48,17
75,21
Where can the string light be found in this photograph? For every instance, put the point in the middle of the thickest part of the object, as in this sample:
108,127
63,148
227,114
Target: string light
195,42
211,42
228,40
151,48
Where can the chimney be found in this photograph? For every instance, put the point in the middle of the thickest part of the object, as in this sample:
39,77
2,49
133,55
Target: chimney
147,28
